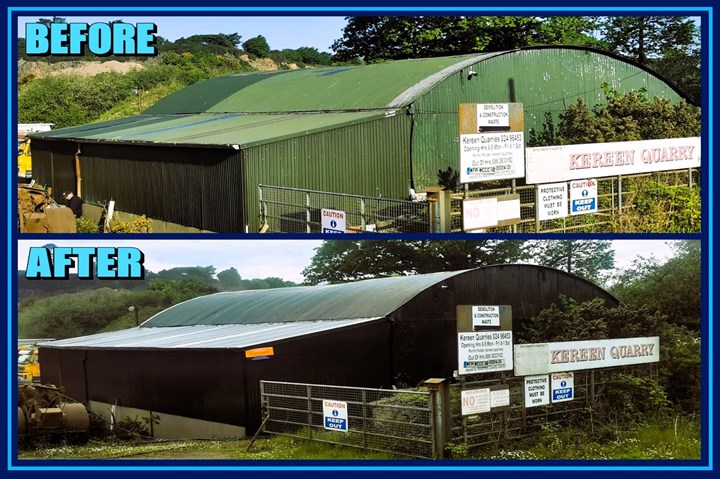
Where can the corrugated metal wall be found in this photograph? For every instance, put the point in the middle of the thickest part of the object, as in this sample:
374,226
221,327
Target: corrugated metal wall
427,323
370,158
220,384
542,79
54,165
197,187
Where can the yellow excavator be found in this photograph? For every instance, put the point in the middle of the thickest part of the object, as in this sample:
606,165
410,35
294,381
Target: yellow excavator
24,151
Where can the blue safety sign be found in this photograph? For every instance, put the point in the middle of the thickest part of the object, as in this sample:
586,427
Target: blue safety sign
562,387
335,415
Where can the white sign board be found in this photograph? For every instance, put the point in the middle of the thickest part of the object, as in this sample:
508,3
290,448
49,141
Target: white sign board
489,212
484,352
333,221
536,391
500,397
552,201
335,415
562,387
475,401
549,164
583,197
542,358
485,316
491,115
492,156
480,213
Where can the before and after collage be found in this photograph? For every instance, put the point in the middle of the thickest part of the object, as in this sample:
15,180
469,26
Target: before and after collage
305,239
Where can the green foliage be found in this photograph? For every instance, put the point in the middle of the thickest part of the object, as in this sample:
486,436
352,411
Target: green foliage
257,46
392,38
625,117
587,259
219,44
449,179
342,261
661,208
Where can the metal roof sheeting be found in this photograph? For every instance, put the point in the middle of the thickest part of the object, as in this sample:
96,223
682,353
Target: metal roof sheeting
209,128
234,336
375,86
371,298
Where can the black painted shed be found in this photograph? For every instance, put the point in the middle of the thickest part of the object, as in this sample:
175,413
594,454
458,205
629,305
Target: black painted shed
204,358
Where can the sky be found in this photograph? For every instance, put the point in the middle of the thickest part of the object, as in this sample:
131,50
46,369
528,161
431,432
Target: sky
280,32
264,258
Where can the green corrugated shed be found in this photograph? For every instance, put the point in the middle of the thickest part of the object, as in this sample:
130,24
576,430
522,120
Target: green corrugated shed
358,129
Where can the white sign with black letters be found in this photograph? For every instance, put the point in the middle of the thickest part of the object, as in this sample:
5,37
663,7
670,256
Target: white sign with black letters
536,391
552,201
486,316
485,352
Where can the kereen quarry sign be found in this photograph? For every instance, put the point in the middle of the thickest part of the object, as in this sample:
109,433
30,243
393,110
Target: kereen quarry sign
544,358
550,164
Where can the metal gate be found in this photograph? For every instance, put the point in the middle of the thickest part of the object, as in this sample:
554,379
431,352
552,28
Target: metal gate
294,210
398,422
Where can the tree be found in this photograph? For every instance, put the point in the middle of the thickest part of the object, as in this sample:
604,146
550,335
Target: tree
672,287
392,38
342,261
587,259
219,44
671,45
230,280
643,38
625,117
257,46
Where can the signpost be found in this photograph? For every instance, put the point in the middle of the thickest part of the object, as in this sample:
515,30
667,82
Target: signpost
536,391
335,415
563,387
492,141
485,352
543,358
583,197
548,164
333,221
552,201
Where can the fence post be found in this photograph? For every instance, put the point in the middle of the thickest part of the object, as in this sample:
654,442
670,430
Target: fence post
440,220
309,405
440,421
690,177
620,194
307,213
263,207
362,215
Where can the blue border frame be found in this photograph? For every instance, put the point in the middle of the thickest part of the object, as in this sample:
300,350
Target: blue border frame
705,465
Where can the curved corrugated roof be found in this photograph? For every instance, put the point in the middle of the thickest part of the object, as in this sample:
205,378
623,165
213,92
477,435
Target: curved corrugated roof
372,298
369,87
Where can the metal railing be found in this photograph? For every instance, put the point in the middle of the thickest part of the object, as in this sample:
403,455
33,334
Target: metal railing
293,210
517,421
398,422
615,195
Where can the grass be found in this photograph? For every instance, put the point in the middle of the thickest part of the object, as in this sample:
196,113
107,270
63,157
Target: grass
675,439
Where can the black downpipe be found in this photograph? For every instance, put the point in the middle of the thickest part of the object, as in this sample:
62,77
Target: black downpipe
411,112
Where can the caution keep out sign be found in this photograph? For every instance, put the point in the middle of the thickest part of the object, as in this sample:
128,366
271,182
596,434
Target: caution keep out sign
583,197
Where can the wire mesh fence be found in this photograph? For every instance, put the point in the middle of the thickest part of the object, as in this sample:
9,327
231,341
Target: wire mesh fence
518,421
398,422
615,196
292,210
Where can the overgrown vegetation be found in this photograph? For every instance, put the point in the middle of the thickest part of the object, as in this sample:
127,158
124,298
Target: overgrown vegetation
79,307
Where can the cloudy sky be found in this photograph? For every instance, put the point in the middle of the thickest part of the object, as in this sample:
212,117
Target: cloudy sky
270,257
